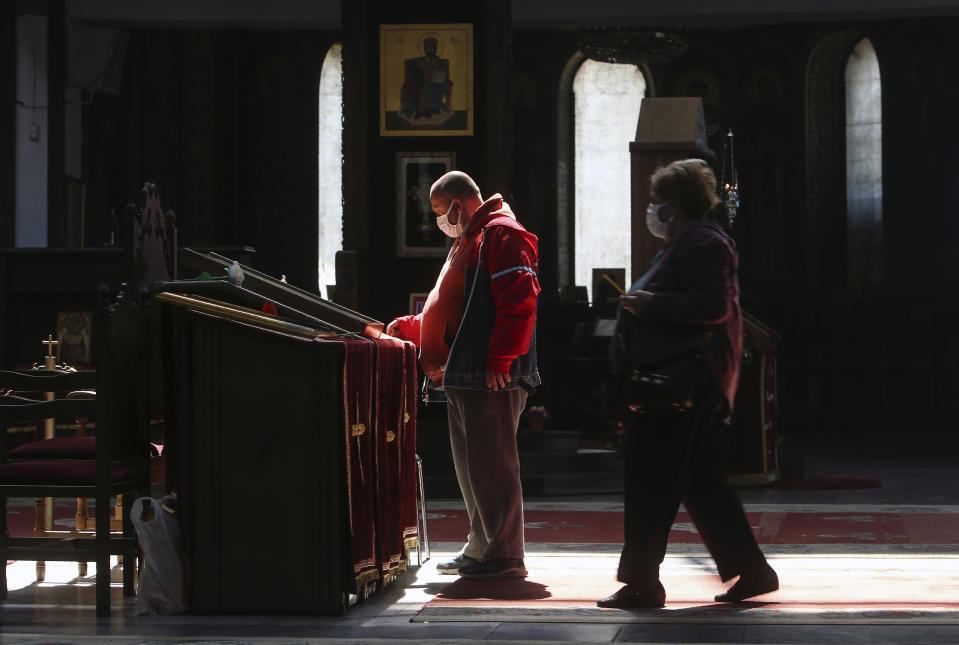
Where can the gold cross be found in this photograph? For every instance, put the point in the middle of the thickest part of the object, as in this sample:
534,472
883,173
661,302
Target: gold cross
50,343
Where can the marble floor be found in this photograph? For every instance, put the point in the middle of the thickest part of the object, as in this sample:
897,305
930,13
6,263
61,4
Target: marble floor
920,473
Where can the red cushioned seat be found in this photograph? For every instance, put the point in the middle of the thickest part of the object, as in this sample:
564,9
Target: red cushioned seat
58,473
57,448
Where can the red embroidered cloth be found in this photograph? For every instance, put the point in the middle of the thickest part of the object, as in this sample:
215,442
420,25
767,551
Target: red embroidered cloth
358,438
379,398
409,476
395,438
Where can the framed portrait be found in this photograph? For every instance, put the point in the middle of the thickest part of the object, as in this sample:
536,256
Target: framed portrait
426,80
416,230
75,333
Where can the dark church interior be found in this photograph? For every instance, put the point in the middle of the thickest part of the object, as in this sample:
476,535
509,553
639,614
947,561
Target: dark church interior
212,110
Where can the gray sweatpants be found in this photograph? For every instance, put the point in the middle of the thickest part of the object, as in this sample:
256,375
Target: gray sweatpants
483,437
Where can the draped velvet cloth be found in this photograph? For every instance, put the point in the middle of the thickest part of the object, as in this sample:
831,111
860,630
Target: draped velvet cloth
409,480
379,397
395,437
358,389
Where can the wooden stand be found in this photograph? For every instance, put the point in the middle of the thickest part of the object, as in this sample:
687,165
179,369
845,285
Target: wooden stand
43,519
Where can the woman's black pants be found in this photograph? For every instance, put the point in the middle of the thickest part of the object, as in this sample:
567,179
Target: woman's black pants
674,457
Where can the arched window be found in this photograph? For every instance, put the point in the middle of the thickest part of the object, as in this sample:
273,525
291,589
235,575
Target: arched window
863,166
606,100
330,145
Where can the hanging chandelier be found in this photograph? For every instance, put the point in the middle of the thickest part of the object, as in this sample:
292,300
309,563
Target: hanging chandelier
630,45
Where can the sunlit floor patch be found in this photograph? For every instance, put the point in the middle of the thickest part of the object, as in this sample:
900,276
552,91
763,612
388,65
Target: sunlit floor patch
23,573
881,588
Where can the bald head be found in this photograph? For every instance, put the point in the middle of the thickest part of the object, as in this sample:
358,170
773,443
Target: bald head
455,185
456,195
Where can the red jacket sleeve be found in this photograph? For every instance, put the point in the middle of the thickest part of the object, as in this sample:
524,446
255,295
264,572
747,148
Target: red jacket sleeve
511,255
408,328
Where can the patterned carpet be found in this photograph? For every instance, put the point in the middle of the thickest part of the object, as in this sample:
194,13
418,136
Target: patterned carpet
795,524
864,564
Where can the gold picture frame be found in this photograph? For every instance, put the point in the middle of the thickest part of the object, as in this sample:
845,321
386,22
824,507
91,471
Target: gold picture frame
417,234
426,80
417,301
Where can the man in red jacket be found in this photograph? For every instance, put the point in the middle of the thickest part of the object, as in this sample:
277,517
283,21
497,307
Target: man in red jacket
477,340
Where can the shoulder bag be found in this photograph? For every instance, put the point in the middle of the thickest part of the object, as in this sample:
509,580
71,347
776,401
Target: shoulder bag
666,387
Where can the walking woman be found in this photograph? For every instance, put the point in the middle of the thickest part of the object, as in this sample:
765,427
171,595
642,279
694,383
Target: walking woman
683,319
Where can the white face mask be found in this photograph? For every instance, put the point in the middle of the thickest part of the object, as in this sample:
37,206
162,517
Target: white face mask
452,230
655,226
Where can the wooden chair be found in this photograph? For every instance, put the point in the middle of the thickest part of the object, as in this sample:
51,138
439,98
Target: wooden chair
58,467
79,447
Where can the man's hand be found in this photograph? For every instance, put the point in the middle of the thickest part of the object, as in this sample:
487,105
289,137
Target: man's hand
637,302
496,380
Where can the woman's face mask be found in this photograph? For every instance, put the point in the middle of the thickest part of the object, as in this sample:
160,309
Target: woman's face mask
656,227
452,230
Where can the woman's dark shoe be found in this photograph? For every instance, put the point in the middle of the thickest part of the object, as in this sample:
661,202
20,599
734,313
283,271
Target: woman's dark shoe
752,584
630,597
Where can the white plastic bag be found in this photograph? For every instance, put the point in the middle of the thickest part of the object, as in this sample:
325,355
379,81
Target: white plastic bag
161,588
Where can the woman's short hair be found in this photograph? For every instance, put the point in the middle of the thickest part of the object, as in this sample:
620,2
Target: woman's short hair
690,183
